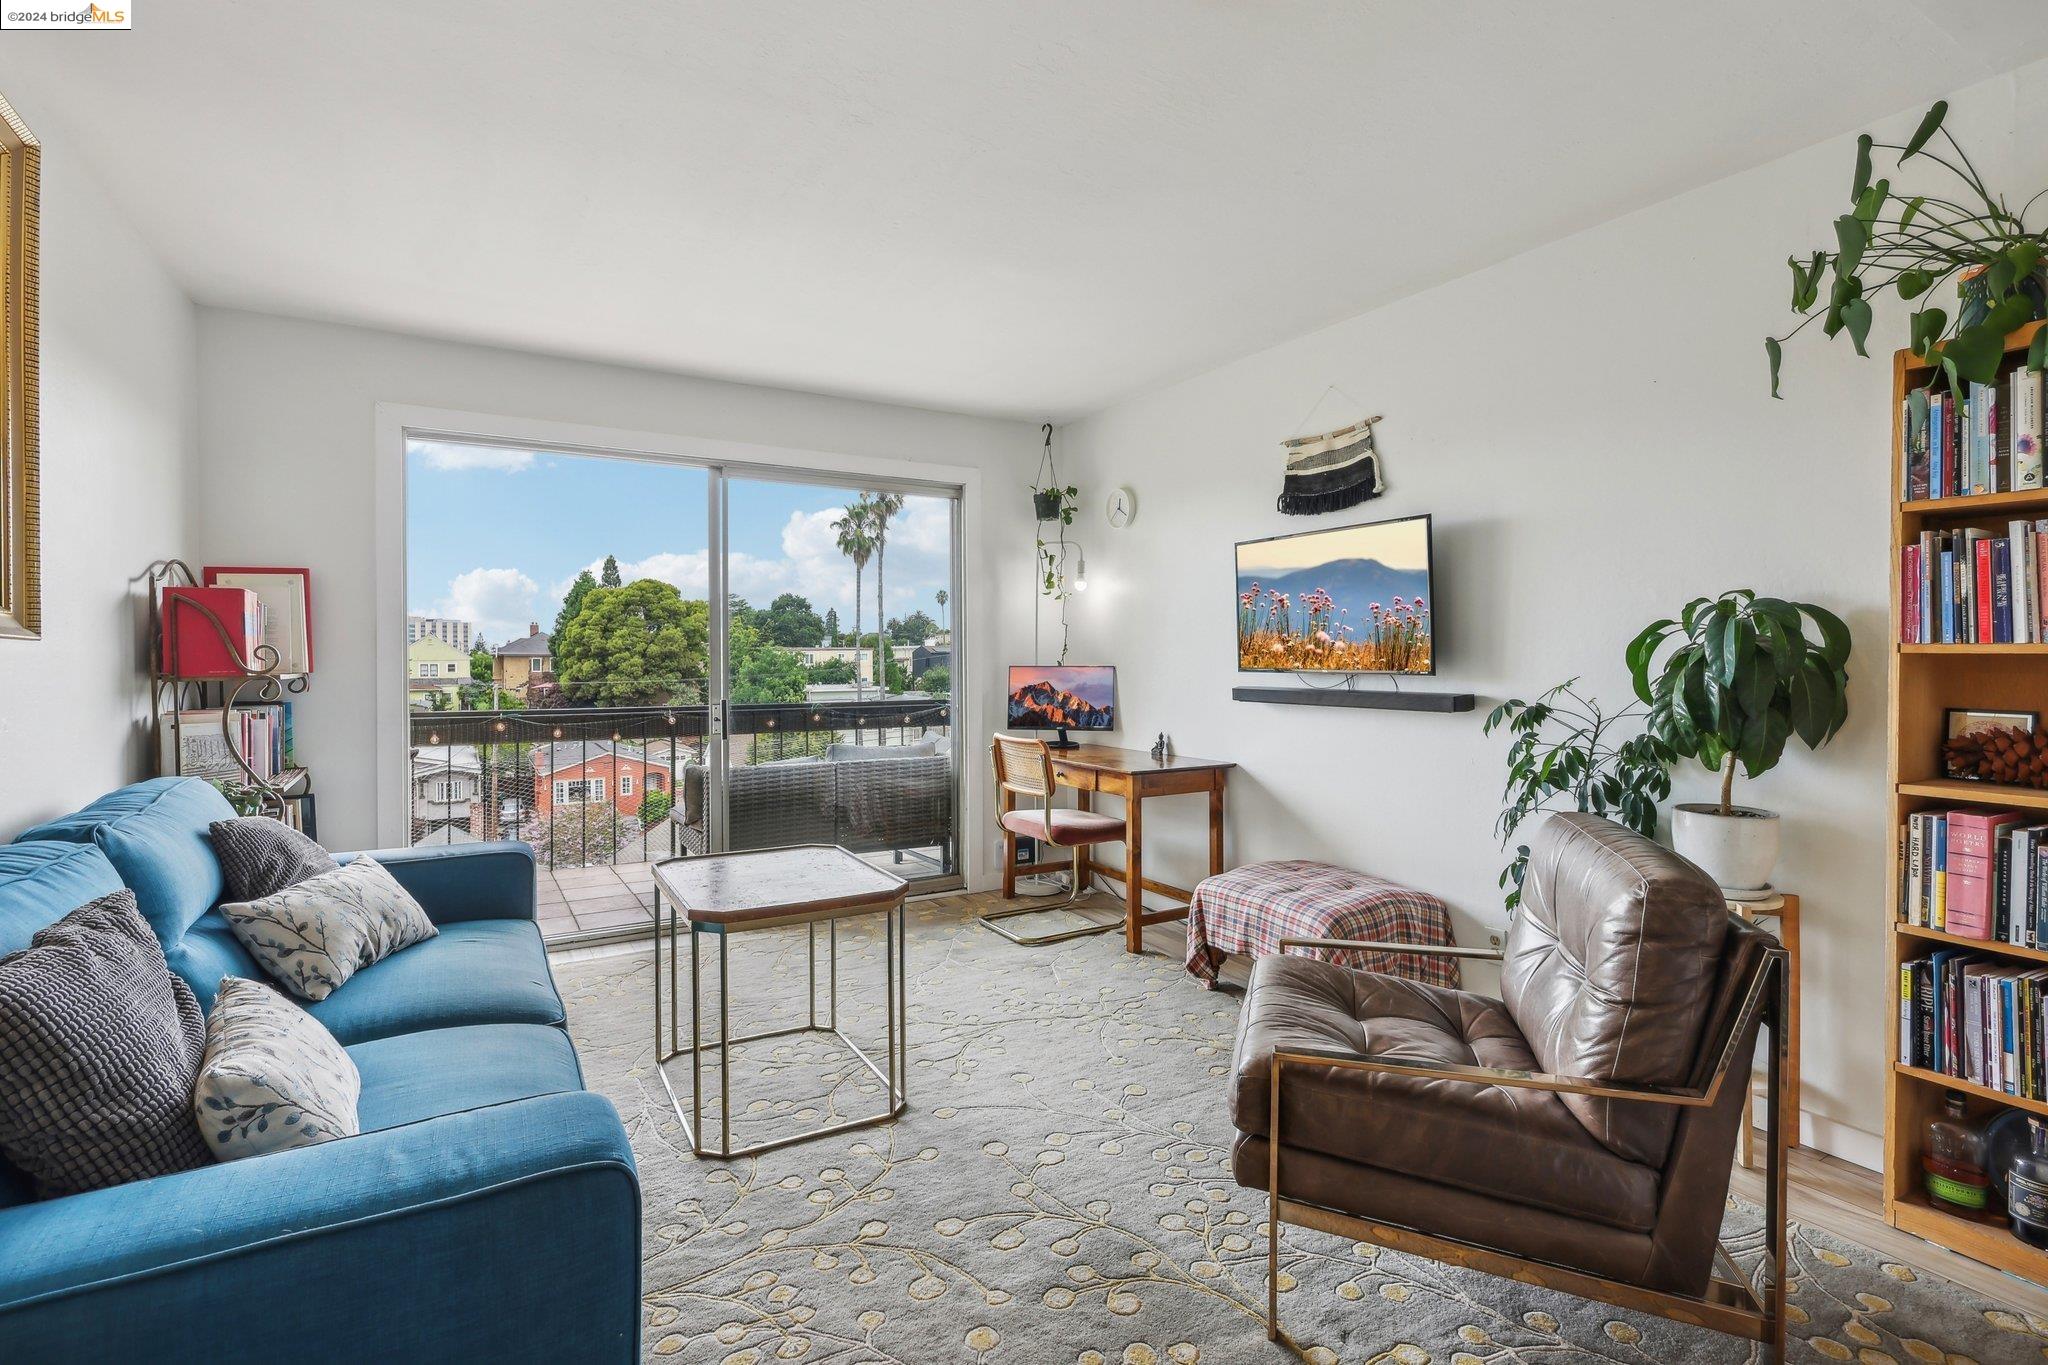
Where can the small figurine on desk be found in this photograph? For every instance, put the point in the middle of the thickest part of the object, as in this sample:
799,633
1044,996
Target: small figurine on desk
1159,748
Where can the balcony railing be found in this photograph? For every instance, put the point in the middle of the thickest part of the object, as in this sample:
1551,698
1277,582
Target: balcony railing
590,787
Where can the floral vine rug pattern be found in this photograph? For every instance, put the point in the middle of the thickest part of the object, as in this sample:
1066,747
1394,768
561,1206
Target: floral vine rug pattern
1059,1191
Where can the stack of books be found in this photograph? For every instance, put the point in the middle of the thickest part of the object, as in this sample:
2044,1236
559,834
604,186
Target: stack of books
1976,874
1965,1015
1971,586
1989,441
195,744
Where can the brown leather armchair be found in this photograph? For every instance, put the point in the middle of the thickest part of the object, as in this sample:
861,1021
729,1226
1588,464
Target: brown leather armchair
1578,1132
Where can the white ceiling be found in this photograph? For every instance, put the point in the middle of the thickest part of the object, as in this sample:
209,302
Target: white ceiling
1027,209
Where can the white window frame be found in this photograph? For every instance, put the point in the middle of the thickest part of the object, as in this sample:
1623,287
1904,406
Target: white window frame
596,791
625,785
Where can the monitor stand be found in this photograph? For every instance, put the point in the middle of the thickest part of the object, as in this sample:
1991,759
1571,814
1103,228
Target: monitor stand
1062,742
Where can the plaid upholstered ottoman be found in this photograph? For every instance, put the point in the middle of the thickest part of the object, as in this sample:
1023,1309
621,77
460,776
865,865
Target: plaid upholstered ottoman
1250,909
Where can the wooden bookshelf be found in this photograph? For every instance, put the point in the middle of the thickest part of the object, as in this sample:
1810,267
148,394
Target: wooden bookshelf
1924,680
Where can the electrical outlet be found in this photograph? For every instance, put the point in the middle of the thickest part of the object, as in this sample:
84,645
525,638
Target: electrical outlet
1493,940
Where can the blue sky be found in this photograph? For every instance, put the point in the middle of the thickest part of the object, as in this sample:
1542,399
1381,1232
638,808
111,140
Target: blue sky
495,536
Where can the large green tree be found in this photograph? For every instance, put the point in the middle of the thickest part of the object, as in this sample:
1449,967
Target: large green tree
882,509
790,621
832,626
832,671
639,644
480,665
763,672
572,600
610,575
855,532
913,629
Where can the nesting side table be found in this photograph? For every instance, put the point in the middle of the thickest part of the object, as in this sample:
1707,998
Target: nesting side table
722,894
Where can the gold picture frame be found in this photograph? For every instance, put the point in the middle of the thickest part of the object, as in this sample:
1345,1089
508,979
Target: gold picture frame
21,583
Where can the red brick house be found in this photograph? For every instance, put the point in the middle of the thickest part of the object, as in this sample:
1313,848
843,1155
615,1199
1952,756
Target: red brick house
595,772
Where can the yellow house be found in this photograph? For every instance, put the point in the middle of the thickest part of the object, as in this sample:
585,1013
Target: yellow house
431,666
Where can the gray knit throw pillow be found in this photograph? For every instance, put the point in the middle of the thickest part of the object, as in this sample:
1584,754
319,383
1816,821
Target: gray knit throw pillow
99,1047
260,856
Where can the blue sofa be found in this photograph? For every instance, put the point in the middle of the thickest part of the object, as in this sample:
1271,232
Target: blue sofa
489,1210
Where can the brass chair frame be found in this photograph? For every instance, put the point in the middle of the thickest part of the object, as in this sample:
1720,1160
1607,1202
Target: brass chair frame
1729,1305
1037,783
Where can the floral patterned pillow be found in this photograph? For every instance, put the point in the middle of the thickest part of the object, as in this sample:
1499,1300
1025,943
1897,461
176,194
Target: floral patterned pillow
273,1077
316,934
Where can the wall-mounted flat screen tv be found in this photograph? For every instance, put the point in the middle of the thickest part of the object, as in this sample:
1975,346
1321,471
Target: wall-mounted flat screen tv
1352,599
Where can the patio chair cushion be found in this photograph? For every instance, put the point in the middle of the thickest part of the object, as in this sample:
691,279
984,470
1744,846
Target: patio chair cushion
1069,827
472,972
415,1076
1519,1145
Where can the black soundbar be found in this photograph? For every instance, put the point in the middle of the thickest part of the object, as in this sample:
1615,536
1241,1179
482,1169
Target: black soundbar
1384,699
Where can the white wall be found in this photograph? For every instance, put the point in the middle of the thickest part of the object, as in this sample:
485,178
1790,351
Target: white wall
287,414
118,442
1590,425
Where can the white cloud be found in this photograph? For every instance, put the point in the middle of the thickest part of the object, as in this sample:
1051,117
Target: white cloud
499,602
453,456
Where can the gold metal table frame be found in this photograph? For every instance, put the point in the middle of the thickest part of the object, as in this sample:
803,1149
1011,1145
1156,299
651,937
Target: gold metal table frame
765,915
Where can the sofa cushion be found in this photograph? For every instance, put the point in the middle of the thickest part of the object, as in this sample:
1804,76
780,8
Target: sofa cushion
155,834
316,935
272,1078
868,753
415,1076
99,1045
1513,1144
260,856
41,883
1609,967
473,972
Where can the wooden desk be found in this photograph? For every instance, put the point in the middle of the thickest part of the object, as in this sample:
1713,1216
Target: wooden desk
1133,775
1785,910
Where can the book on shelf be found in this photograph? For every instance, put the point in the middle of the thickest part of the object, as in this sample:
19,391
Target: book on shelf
1976,874
209,632
1978,1019
1988,440
1971,586
205,742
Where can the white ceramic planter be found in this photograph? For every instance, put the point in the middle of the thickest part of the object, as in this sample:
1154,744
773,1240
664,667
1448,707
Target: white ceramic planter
1738,851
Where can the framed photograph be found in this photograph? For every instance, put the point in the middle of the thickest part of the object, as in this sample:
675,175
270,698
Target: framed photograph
1964,760
21,582
287,598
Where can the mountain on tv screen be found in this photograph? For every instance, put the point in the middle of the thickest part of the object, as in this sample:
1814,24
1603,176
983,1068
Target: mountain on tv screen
1353,599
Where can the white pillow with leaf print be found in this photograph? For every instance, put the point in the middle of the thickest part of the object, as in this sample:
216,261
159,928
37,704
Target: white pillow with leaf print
314,935
272,1077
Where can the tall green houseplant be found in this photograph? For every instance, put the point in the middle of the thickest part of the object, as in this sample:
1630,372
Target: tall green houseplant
1742,680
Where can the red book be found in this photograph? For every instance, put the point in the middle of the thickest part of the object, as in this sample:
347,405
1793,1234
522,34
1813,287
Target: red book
1985,631
193,647
1972,840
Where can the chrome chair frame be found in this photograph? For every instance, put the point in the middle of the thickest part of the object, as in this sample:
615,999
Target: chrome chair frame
1040,785
1729,1304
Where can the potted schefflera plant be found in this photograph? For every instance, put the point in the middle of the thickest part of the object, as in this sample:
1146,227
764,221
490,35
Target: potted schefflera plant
1745,677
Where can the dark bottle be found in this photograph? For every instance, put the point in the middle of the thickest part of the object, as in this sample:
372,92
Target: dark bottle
2026,1187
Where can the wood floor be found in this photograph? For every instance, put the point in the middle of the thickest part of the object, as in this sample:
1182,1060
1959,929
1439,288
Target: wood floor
1826,1192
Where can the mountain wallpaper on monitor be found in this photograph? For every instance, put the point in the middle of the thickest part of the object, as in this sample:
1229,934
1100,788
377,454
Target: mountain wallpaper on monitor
1352,599
1061,698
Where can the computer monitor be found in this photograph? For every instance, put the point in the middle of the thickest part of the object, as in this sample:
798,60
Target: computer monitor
1062,698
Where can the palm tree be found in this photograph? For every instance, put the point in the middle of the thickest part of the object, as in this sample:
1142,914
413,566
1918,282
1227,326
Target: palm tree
942,597
857,544
881,507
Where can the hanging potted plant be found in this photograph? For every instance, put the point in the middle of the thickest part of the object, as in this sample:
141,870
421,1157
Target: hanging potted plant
1915,243
1743,679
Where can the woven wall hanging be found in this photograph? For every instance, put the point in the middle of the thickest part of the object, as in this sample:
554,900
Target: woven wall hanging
1330,472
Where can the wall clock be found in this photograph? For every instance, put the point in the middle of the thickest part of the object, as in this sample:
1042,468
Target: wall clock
1123,506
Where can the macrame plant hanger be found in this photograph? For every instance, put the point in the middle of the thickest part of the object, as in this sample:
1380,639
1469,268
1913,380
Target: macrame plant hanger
1333,470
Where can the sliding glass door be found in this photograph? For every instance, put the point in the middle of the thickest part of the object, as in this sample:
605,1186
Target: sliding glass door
618,660
838,669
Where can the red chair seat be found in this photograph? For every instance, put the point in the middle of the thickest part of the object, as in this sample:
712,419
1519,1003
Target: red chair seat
1069,827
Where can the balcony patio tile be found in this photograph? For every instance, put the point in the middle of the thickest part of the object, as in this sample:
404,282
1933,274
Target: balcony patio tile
612,919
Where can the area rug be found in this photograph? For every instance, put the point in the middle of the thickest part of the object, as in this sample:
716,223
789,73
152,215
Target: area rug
1059,1192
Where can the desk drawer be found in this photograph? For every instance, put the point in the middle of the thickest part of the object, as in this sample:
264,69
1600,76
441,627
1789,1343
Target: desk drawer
1080,779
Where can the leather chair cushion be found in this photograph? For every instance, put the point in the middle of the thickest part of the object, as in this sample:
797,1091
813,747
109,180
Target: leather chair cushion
1609,967
1069,827
1517,1145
